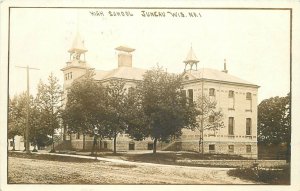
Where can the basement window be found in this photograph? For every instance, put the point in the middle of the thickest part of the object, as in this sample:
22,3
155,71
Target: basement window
150,146
211,148
131,146
231,148
248,148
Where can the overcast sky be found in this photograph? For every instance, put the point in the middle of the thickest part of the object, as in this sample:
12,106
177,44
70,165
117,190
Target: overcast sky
254,42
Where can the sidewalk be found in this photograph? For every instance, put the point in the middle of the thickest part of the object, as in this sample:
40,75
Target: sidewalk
118,161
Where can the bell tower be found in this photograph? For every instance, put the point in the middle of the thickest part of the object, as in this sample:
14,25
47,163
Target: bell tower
191,61
76,66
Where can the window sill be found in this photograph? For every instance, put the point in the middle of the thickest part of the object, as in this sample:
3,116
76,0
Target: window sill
248,110
231,109
248,136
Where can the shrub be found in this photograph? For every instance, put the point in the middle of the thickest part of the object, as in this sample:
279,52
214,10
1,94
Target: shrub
266,175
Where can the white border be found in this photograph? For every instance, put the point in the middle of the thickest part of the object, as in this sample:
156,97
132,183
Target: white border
295,174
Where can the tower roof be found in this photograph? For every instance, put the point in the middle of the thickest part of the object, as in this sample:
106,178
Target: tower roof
125,49
191,57
78,44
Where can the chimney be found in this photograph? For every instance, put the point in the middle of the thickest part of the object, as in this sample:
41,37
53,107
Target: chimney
225,70
124,56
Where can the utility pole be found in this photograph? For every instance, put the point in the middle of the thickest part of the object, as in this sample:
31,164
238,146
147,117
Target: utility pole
202,119
28,102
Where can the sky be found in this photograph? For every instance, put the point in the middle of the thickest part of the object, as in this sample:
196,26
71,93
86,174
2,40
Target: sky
255,43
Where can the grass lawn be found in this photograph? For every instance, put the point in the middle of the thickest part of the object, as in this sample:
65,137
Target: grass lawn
170,158
53,169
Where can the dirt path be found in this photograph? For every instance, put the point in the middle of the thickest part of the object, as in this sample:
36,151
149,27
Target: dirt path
23,170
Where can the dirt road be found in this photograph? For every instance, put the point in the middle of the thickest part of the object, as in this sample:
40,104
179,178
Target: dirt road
22,170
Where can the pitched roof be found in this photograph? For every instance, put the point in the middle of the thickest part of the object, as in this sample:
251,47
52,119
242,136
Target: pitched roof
78,44
191,57
216,75
121,72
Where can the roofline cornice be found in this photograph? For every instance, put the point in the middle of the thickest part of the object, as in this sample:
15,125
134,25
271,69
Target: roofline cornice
80,67
115,78
219,81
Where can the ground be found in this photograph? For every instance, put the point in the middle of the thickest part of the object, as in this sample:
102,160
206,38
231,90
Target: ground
87,171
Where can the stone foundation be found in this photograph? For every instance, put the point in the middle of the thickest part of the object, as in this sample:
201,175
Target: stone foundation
240,148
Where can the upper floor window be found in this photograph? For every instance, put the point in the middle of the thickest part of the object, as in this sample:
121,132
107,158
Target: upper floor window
231,94
248,96
211,119
248,126
191,95
68,76
183,93
231,126
211,92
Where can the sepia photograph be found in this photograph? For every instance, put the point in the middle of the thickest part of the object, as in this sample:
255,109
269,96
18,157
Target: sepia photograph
143,95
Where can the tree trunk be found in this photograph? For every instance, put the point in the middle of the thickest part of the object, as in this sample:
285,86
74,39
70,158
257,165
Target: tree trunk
64,132
14,147
115,144
83,142
288,152
94,144
154,145
53,150
100,143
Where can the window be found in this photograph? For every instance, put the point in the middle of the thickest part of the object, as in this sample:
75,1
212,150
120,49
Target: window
230,126
248,148
130,90
131,146
66,76
70,75
190,91
150,146
231,148
231,100
249,102
248,126
211,119
211,148
78,136
183,93
211,92
248,96
11,143
231,94
105,145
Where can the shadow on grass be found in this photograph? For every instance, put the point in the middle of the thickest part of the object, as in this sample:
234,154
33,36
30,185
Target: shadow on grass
49,157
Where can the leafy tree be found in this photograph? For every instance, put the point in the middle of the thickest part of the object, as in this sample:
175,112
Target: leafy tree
165,106
85,108
135,117
38,133
16,116
210,118
17,120
116,109
274,120
49,103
